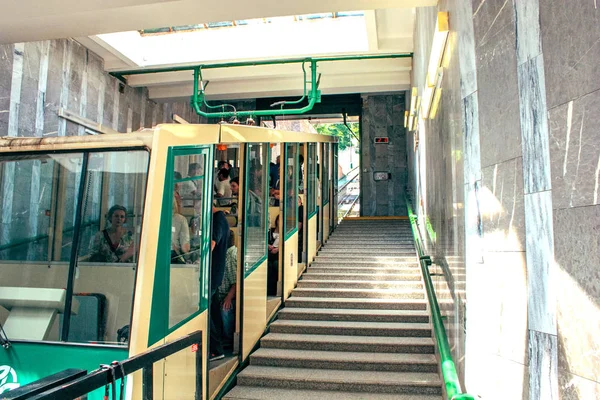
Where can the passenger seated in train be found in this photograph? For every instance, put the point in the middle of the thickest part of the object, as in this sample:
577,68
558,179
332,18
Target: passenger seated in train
223,187
177,190
235,191
189,189
115,243
226,293
180,236
273,266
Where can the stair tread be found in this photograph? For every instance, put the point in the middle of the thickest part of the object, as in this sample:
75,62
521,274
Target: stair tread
398,340
353,290
353,324
354,282
350,311
357,300
265,393
343,376
347,356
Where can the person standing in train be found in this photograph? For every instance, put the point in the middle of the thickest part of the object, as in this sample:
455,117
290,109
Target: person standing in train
219,244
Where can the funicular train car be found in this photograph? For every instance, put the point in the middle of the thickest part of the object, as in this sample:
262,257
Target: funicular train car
105,246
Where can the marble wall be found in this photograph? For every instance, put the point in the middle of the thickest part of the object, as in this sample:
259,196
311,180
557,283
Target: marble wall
383,116
570,43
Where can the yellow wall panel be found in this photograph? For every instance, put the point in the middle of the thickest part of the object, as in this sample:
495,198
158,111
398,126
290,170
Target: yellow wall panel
255,308
290,261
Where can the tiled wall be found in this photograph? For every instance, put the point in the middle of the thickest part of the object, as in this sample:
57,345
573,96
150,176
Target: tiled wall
38,78
383,116
570,39
518,129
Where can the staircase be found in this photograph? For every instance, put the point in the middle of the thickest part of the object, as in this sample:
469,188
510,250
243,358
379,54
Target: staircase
356,327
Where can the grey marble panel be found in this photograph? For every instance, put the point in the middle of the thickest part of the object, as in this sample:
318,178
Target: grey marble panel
502,206
53,87
573,387
577,251
534,126
574,152
529,40
543,366
472,147
491,20
462,19
497,88
571,46
15,89
540,262
42,87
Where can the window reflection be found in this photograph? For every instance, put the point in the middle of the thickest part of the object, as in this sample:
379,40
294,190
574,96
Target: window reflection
255,218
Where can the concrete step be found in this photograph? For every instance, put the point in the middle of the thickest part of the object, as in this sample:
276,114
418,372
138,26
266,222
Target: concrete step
362,267
375,245
354,381
328,276
352,328
360,293
345,258
307,282
263,393
327,314
393,252
350,303
341,360
369,344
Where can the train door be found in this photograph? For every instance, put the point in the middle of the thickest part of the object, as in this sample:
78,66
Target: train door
181,282
326,195
291,220
255,197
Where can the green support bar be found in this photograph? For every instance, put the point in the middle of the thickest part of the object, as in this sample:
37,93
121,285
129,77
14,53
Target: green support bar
198,98
448,368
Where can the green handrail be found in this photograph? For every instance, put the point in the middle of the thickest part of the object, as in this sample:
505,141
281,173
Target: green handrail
453,390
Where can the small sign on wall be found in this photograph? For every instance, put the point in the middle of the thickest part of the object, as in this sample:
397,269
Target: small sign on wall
382,140
381,176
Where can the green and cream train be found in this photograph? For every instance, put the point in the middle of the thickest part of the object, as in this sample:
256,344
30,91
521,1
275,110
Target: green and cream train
93,267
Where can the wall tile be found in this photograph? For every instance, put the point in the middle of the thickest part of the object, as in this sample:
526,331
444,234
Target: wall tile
577,249
472,148
575,152
466,46
543,371
492,377
573,387
529,41
502,206
498,93
571,45
541,274
534,126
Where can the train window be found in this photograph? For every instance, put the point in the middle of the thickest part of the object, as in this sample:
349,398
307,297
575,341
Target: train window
326,173
311,206
187,247
255,217
46,210
291,197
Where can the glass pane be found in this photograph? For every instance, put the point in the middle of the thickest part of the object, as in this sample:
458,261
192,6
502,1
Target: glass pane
312,178
189,194
256,224
326,176
109,246
291,197
38,197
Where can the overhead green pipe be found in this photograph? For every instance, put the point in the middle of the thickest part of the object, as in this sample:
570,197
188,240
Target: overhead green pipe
447,364
198,98
141,71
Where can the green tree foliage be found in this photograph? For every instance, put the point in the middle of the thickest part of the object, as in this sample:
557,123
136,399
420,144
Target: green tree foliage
345,137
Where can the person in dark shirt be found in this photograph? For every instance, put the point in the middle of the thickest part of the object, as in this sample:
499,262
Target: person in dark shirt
219,244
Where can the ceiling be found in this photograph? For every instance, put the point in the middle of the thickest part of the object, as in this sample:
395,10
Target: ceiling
386,26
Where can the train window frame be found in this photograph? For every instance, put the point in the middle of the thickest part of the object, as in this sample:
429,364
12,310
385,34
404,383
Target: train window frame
248,269
74,259
326,174
291,230
311,180
159,327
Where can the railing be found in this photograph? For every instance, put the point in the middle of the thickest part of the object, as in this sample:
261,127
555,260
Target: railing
344,197
453,389
110,374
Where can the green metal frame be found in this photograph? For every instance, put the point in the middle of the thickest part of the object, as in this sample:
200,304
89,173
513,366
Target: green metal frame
159,317
265,205
453,390
289,231
198,99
